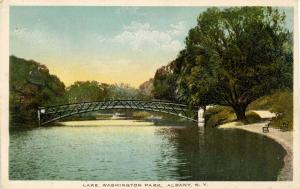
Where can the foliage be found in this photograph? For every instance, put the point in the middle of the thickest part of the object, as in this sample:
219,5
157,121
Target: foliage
252,117
164,84
82,91
80,117
124,91
262,103
218,115
31,86
283,107
141,115
280,103
234,56
146,88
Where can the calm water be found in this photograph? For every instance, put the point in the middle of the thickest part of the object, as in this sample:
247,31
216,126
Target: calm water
141,153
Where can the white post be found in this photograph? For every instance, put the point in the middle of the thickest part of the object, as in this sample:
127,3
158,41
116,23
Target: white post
41,110
39,117
200,118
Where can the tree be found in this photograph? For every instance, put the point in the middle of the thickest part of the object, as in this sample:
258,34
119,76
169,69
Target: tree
234,56
146,88
164,83
81,91
124,92
30,86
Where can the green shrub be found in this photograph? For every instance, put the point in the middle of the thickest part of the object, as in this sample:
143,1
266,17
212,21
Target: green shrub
80,117
263,103
141,115
283,107
218,115
252,117
280,103
103,116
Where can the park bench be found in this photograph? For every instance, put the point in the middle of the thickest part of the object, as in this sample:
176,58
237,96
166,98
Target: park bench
266,128
283,127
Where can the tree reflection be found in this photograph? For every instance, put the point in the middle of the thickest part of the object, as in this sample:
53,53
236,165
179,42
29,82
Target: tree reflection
214,154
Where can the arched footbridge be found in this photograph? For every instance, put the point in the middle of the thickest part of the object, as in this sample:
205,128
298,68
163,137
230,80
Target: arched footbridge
53,113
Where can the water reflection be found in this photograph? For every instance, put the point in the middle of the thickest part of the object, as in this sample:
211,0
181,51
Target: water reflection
210,154
141,153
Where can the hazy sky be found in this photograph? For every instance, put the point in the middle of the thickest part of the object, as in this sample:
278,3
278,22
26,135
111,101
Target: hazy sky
107,44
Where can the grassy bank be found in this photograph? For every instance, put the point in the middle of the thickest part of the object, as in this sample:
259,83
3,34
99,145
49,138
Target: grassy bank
280,103
219,115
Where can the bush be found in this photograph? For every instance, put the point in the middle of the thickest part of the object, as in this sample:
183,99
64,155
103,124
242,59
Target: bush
80,117
263,103
218,115
283,107
252,117
141,115
281,103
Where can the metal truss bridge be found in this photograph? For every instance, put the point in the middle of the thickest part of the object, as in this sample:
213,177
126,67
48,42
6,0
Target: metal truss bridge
53,113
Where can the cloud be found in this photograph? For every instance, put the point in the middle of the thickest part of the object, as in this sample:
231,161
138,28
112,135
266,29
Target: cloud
142,36
26,34
179,28
34,37
100,38
134,26
136,37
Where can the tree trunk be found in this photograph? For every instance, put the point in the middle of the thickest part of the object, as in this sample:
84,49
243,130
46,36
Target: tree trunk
240,112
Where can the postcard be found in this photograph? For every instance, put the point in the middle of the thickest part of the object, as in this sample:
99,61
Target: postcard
140,94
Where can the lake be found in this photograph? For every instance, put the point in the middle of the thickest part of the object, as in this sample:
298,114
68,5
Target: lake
119,150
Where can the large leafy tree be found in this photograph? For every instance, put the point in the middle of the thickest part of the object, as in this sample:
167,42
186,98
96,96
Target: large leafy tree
164,83
234,56
30,86
81,91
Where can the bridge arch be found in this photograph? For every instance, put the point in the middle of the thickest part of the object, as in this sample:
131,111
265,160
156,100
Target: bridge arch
53,113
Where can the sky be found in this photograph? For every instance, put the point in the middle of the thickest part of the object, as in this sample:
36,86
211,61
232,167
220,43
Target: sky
106,44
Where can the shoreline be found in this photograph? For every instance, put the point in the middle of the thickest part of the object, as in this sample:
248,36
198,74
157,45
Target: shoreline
285,139
116,122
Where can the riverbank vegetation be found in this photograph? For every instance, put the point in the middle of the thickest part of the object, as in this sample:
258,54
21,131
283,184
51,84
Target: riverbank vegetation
280,103
219,115
32,86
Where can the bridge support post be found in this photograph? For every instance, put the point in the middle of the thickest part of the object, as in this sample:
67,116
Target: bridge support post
41,110
200,117
39,116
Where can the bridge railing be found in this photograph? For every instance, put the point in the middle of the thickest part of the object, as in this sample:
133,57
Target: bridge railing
52,113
